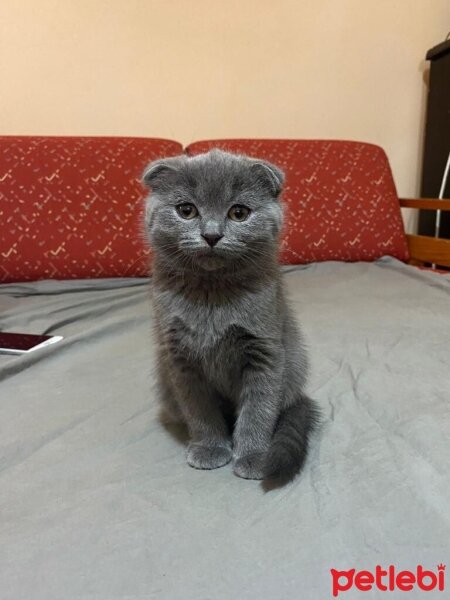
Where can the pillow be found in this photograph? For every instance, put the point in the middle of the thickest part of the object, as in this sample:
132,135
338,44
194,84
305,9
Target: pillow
71,207
340,198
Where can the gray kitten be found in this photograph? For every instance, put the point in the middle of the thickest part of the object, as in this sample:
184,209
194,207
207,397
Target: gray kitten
231,363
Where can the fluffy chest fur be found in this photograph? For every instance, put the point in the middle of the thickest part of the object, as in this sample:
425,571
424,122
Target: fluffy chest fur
212,333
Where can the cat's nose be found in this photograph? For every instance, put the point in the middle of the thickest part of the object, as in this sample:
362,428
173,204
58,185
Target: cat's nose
212,238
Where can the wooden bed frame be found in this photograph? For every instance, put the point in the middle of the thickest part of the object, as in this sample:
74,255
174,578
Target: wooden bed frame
426,249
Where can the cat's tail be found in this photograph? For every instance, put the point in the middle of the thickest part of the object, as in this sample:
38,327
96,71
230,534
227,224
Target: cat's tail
289,447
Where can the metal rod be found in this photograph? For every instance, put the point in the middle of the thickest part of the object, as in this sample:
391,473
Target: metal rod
441,197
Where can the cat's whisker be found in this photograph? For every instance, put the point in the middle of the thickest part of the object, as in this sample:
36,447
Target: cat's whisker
146,257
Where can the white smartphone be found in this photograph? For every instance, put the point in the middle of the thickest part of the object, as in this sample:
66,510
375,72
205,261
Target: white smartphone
22,343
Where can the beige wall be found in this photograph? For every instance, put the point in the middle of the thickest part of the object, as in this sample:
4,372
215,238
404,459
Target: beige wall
190,69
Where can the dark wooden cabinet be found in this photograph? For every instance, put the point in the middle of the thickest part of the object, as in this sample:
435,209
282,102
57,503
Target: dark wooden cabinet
437,138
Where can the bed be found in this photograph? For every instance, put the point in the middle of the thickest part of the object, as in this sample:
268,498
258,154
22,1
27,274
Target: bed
98,502
96,499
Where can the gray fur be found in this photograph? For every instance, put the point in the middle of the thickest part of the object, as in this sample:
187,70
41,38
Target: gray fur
231,363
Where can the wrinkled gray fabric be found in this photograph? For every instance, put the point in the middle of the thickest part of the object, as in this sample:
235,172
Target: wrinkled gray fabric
97,502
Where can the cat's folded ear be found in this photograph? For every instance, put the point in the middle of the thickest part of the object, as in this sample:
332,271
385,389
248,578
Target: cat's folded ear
270,176
159,171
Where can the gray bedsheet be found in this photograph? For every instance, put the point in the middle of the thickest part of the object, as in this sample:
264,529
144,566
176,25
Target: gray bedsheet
96,501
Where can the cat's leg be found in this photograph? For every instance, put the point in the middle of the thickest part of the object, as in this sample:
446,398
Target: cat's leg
170,412
210,445
259,401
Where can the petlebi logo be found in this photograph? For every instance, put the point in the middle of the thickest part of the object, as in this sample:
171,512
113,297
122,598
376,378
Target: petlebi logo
388,580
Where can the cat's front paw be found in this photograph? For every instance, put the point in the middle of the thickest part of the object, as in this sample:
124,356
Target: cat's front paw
250,466
208,457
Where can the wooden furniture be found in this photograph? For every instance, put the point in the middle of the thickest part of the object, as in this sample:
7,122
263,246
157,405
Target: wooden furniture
437,138
424,248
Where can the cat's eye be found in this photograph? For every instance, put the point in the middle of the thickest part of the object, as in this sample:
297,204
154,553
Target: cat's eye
238,213
187,210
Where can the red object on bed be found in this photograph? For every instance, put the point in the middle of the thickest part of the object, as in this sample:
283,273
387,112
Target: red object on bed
71,207
340,197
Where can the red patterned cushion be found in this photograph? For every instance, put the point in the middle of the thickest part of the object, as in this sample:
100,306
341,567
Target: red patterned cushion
71,207
341,202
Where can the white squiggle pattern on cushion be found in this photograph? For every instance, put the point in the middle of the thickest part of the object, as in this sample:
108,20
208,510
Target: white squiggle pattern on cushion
71,207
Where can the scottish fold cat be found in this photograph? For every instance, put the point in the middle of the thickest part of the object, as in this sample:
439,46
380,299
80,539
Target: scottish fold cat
231,364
